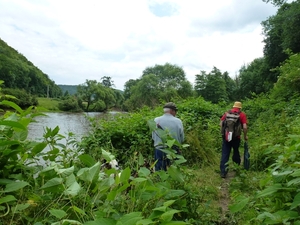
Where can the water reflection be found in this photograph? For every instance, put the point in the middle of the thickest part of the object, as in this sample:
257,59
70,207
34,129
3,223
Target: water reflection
76,123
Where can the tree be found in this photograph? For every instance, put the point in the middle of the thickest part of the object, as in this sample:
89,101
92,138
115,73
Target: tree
282,32
161,83
144,92
87,91
96,96
231,87
107,82
212,86
288,84
254,78
276,2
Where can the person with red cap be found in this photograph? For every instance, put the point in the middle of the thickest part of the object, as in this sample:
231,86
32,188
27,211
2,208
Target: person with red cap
231,141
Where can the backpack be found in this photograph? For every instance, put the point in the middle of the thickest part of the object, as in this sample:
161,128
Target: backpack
231,125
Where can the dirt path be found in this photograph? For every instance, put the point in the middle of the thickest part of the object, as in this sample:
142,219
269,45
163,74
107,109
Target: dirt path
225,196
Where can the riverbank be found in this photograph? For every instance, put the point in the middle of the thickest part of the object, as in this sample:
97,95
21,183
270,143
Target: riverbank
48,105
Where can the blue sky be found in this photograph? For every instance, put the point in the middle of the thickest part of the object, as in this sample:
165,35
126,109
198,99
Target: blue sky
75,40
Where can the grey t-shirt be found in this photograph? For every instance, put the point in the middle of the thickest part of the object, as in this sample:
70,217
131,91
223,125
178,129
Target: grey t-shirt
171,124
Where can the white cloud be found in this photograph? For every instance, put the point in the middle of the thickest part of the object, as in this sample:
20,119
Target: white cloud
72,41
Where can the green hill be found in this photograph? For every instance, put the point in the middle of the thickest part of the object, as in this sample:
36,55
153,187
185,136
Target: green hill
19,73
71,89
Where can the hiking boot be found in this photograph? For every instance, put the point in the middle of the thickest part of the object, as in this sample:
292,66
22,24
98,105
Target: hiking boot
223,175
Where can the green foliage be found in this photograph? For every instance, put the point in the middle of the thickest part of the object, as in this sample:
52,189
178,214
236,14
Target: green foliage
19,73
69,104
288,84
281,33
98,97
159,83
253,79
21,97
47,104
73,188
215,86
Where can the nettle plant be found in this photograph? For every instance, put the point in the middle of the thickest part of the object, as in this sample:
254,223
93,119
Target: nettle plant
74,188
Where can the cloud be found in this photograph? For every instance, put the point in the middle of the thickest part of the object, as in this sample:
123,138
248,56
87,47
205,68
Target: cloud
72,41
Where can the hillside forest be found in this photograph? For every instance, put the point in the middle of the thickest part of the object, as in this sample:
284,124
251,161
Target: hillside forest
74,186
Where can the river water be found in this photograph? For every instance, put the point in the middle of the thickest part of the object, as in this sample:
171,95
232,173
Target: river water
76,123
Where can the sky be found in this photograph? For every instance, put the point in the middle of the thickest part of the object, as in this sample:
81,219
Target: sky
77,40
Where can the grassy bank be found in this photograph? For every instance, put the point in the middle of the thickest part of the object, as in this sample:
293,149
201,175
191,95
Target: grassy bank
48,104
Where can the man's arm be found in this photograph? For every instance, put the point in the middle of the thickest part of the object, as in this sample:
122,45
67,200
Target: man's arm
245,129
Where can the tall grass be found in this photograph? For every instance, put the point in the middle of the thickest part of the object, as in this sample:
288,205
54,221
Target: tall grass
47,104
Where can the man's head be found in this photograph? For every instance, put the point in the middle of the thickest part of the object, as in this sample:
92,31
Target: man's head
237,105
171,108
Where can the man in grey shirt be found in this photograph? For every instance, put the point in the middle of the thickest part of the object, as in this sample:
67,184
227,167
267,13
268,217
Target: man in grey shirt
174,127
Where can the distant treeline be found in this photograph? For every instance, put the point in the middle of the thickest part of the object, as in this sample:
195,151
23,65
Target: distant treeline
68,89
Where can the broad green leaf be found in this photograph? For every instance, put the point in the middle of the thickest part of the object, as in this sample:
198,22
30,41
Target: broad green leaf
112,195
269,190
12,142
241,203
12,124
138,180
20,207
145,222
15,186
58,213
54,182
65,172
294,181
125,175
107,155
7,198
175,173
13,105
93,172
144,172
73,189
141,160
70,180
87,160
296,201
80,211
167,216
130,219
174,194
39,147
169,203
55,131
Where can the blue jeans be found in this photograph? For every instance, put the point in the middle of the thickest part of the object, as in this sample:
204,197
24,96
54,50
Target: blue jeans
226,149
162,161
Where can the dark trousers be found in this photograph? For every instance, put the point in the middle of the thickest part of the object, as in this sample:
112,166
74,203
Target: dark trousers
226,149
162,161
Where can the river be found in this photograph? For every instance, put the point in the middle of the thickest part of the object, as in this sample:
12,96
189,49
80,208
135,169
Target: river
76,123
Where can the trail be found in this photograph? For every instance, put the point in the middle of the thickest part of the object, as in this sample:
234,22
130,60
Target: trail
225,196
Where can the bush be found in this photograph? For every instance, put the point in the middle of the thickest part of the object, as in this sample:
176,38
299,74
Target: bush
70,104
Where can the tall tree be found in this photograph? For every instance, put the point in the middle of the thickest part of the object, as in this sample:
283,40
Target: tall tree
212,86
282,32
159,83
107,81
253,78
